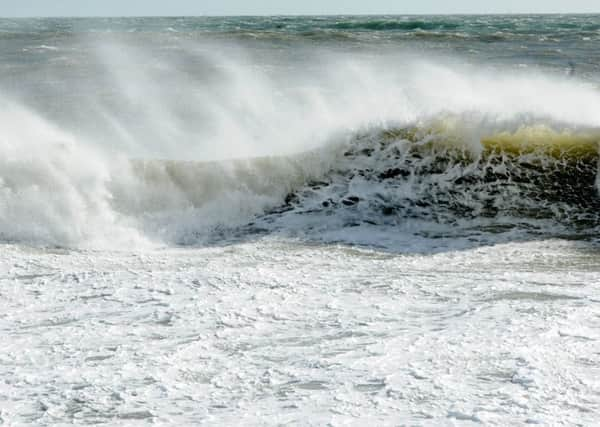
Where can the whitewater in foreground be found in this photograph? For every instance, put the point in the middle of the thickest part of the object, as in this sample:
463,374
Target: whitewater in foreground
303,221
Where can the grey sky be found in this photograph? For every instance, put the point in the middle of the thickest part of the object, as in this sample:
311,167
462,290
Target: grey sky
272,7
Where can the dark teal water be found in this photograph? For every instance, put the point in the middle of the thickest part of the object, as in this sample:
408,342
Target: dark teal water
466,25
552,41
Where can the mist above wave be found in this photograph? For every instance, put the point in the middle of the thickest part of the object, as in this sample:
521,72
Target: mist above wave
132,164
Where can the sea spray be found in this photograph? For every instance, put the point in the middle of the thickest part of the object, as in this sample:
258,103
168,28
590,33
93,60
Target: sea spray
154,160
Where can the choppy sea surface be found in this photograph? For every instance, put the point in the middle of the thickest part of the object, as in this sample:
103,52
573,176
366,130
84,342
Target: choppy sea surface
341,220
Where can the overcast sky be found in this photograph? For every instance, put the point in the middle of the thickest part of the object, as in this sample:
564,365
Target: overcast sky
280,7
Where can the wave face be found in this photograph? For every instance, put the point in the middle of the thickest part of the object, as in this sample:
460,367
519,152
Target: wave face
218,140
428,181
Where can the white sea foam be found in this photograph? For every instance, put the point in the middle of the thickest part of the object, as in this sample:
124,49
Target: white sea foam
272,332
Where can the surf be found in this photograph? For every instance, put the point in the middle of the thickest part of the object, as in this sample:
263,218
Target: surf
382,141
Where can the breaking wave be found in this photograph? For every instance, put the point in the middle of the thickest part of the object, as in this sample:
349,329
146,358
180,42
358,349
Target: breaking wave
422,148
429,181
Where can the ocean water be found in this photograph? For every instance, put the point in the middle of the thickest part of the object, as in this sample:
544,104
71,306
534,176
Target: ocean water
338,220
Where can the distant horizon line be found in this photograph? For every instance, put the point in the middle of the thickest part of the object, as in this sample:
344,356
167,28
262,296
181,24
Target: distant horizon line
298,15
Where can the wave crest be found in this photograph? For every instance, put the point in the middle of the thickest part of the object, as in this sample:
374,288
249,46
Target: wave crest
379,142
